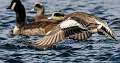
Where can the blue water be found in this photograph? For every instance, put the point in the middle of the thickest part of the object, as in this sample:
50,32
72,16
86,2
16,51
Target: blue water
97,49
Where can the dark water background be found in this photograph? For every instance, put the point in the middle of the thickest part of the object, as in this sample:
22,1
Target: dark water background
98,49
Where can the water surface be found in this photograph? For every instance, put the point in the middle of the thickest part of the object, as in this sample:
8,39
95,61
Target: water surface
96,49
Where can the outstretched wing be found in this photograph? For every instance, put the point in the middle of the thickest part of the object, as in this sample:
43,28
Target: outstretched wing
59,35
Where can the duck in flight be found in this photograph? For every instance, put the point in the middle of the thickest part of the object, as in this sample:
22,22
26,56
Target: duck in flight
68,29
93,23
77,25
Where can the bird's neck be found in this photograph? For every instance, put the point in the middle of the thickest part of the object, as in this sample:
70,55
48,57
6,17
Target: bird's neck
20,17
40,12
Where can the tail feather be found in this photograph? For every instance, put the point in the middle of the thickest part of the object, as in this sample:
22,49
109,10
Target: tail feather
107,32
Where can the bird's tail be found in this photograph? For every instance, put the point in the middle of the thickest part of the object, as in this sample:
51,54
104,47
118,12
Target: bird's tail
105,30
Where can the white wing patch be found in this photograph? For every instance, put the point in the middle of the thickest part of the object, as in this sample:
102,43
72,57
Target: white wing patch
70,23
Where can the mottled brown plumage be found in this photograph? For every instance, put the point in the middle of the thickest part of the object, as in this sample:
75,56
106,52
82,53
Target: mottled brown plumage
59,34
36,28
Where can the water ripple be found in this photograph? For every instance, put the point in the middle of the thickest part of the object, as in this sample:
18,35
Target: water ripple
96,49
